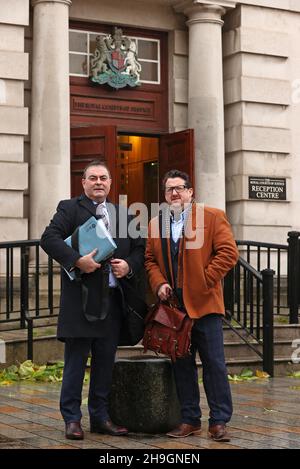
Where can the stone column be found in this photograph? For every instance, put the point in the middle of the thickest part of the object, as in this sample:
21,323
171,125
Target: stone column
205,97
50,115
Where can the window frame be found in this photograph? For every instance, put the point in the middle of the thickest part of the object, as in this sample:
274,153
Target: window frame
136,38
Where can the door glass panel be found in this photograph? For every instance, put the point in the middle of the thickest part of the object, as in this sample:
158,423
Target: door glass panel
151,184
137,169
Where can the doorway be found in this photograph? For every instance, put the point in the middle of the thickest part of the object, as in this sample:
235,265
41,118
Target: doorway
137,163
137,168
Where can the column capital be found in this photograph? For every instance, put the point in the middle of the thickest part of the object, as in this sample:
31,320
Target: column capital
64,2
204,11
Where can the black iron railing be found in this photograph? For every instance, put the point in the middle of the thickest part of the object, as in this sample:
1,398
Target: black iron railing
294,275
27,294
284,259
248,297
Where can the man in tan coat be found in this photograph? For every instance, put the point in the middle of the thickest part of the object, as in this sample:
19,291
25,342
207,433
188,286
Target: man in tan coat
200,250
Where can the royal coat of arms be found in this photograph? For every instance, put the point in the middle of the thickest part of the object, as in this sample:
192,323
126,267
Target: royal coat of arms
115,61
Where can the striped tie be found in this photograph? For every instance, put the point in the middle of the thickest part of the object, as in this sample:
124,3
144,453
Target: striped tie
101,213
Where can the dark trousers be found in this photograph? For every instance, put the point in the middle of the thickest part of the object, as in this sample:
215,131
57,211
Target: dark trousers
207,338
103,350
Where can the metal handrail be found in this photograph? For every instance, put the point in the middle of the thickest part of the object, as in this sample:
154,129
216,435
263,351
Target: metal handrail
251,269
17,244
14,289
287,273
246,312
261,244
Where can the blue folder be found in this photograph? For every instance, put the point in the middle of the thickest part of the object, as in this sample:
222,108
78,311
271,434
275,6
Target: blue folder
93,234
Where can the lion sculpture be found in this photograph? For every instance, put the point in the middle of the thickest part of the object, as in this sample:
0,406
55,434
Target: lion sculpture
133,67
100,58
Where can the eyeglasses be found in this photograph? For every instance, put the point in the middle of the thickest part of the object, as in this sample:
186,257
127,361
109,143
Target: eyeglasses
178,189
93,178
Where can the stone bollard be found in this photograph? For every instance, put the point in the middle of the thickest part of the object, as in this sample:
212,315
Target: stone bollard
143,396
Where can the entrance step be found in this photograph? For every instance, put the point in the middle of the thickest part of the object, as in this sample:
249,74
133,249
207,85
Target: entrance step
238,355
281,332
45,349
282,365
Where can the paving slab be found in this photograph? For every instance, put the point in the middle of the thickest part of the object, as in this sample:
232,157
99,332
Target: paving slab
266,415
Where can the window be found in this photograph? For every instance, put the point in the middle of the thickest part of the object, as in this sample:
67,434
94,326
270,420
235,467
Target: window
82,46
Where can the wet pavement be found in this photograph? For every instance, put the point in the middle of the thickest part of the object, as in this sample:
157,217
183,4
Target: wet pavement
266,415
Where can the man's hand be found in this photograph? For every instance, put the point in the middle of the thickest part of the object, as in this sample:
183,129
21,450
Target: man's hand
164,292
87,263
119,267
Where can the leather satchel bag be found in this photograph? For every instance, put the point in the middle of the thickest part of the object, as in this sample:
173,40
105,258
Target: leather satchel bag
168,331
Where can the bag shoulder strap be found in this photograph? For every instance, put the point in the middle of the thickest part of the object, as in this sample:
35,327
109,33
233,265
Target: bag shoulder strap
164,248
84,289
75,246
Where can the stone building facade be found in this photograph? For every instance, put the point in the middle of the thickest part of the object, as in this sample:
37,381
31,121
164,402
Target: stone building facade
229,70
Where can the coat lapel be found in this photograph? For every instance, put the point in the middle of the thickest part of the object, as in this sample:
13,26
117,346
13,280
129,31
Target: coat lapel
87,204
113,212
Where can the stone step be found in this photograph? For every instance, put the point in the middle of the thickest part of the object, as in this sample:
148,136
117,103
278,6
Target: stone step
282,365
281,332
47,349
241,350
233,351
238,354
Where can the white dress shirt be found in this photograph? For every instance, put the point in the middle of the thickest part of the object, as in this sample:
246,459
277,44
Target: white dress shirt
113,283
177,225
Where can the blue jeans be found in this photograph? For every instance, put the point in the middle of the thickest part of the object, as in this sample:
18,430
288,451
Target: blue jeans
207,338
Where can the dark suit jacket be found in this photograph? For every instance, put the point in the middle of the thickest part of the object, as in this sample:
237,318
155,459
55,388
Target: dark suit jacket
70,214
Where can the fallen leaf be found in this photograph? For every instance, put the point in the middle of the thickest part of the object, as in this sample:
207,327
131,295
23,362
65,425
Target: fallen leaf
262,374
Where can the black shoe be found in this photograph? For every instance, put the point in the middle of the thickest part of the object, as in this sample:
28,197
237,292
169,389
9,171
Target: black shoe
74,431
109,428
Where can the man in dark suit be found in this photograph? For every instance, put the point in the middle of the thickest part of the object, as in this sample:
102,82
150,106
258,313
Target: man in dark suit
91,309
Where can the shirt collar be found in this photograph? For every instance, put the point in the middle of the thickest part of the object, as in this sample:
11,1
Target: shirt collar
182,216
100,203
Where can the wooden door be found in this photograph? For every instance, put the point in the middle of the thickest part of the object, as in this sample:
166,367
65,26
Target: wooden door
176,152
93,143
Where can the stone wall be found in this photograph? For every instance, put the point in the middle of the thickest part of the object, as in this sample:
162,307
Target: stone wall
261,64
14,16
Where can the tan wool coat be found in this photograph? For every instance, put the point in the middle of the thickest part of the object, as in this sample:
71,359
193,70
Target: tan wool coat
200,270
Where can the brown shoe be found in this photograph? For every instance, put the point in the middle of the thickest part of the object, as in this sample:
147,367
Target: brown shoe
218,432
185,429
109,428
74,431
